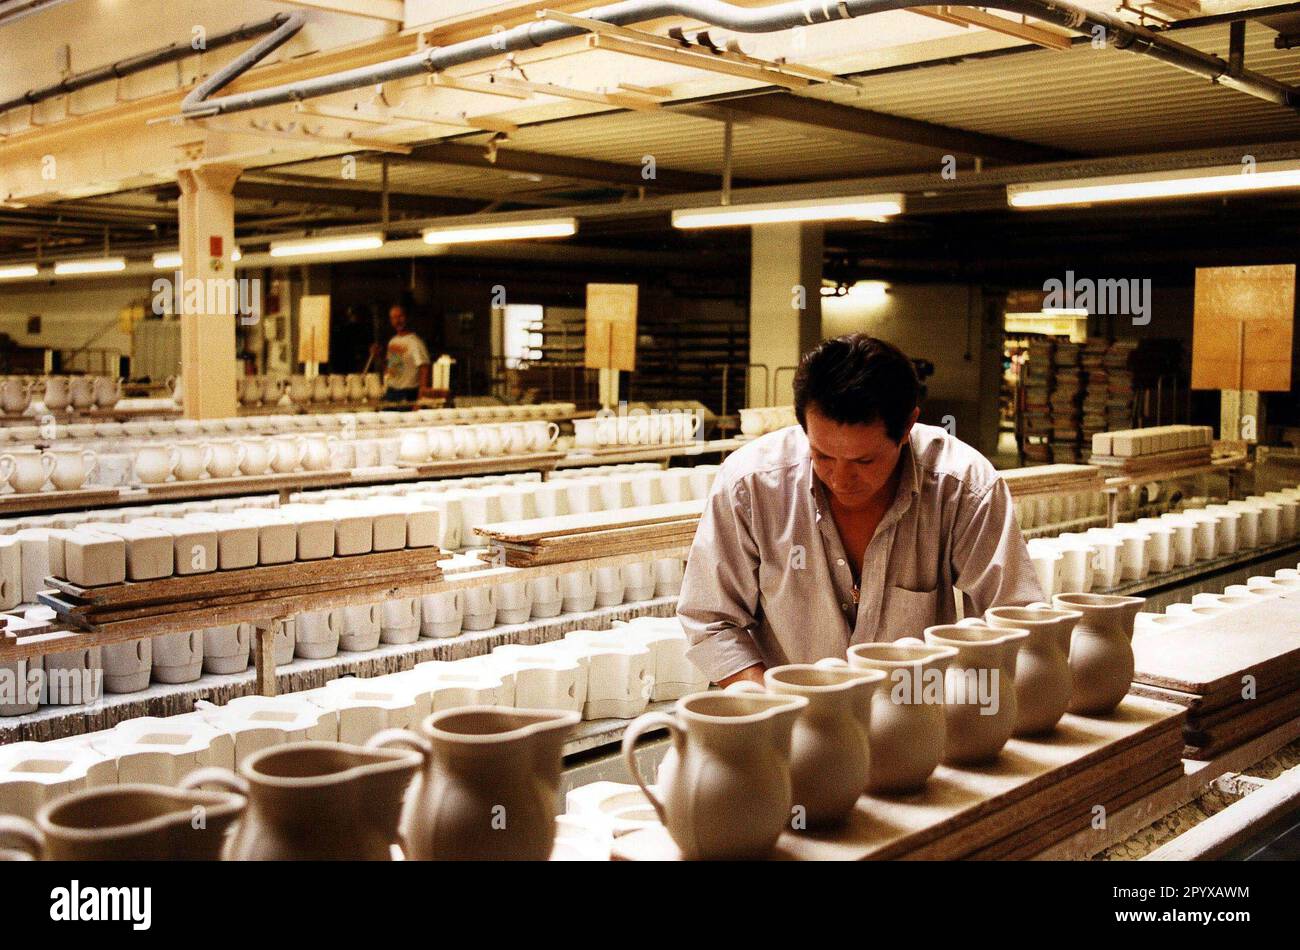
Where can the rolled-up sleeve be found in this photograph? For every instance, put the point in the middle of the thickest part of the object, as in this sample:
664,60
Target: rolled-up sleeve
990,562
719,597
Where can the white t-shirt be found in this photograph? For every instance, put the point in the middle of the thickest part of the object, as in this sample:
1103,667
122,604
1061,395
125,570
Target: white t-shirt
406,354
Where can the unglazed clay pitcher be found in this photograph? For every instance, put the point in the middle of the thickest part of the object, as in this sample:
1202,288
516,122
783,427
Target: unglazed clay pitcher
830,753
1101,649
490,788
321,801
129,823
979,689
907,721
1043,682
724,786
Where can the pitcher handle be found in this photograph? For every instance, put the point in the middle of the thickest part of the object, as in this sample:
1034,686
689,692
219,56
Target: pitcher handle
219,777
402,738
21,834
652,720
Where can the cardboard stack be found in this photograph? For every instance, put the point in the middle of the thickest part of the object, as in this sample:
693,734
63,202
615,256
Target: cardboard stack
1038,409
1067,403
1119,384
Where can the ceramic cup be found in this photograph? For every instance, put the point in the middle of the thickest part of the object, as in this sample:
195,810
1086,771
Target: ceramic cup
27,470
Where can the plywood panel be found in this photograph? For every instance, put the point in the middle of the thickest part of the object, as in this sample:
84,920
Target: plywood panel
1244,318
611,326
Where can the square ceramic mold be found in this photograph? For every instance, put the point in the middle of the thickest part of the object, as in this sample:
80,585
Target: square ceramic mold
675,675
11,572
368,706
451,685
164,751
259,722
277,537
94,558
354,529
150,553
237,541
620,673
195,545
316,530
34,773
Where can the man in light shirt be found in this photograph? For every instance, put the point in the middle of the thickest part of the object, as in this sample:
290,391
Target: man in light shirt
851,527
409,367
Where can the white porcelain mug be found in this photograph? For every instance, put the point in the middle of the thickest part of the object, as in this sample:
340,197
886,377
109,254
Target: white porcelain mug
81,391
514,602
480,608
541,435
317,633
27,470
547,599
609,586
57,393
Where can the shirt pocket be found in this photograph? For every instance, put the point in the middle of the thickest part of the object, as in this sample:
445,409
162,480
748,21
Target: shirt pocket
907,613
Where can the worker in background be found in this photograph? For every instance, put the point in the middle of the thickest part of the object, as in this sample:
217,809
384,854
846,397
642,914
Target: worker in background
408,368
853,526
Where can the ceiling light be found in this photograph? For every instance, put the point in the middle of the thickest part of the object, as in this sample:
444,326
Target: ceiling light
472,233
858,208
168,260
327,245
102,265
18,271
1221,180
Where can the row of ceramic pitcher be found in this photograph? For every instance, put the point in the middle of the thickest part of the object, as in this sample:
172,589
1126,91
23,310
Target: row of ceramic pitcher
377,424
474,783
586,672
300,390
59,392
1103,558
655,427
752,761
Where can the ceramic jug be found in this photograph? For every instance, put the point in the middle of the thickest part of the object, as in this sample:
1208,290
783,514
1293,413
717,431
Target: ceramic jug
319,801
907,719
1101,649
81,391
320,389
1043,682
299,389
250,390
724,788
27,470
338,387
355,387
979,689
830,750
72,467
108,390
374,386
57,394
490,788
133,822
15,394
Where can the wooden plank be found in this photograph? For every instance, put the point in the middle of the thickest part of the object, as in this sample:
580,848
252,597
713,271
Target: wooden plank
1214,654
14,503
1242,325
248,579
955,798
451,468
534,528
245,484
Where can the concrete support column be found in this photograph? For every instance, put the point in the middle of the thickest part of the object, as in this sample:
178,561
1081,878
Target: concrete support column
785,304
208,314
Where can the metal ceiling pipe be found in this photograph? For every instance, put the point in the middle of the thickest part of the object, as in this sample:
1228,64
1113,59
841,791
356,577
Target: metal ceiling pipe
738,19
136,64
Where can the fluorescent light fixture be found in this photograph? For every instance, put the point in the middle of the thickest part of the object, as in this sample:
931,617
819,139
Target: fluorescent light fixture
522,230
236,255
327,245
1221,180
168,260
102,265
1065,311
18,271
858,208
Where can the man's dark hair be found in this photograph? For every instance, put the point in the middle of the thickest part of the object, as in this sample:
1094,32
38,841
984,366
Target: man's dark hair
858,379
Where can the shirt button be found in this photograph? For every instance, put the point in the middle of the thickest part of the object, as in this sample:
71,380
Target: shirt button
840,562
844,606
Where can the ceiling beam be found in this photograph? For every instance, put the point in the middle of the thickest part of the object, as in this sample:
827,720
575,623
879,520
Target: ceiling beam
561,166
360,198
851,123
